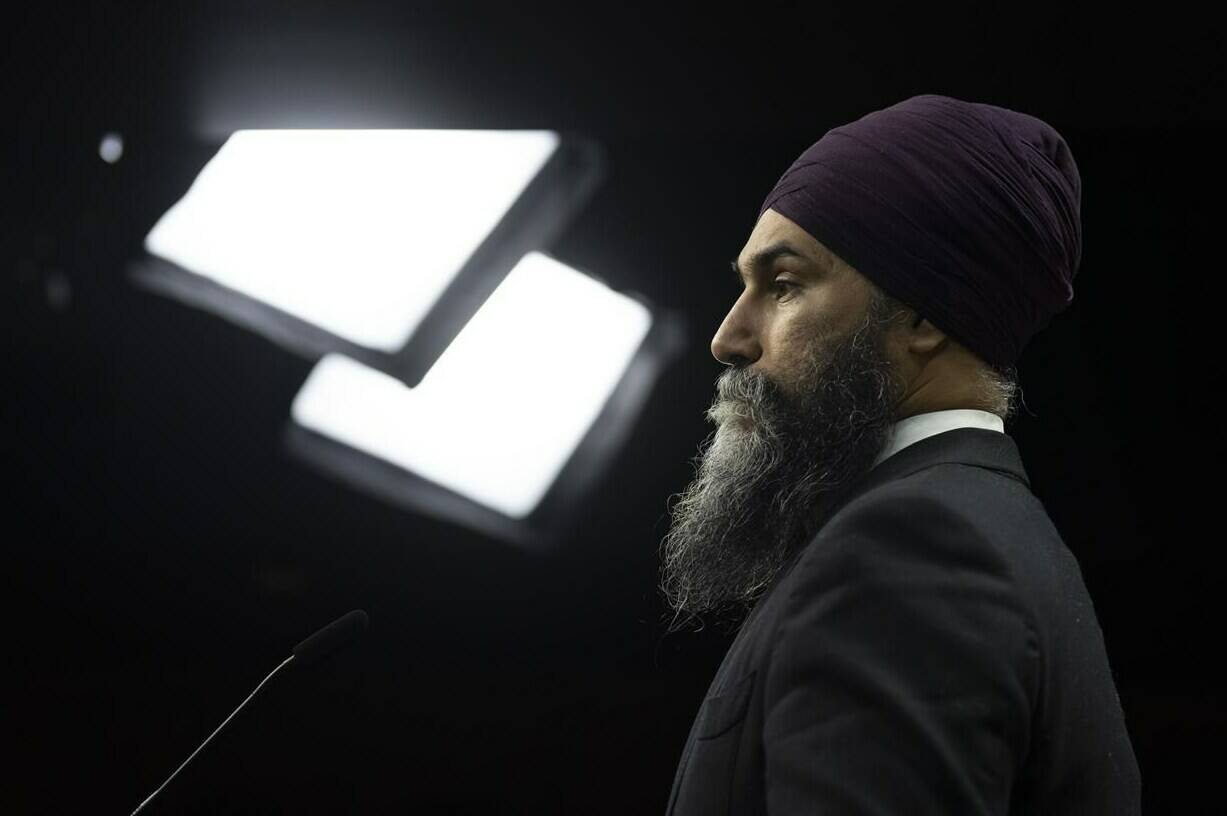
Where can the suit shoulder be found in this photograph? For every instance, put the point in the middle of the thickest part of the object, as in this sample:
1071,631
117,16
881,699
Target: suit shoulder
980,505
924,514
956,518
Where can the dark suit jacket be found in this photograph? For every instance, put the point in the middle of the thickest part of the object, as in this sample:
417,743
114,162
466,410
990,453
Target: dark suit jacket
932,650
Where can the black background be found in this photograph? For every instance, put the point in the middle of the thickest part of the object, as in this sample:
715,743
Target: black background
165,552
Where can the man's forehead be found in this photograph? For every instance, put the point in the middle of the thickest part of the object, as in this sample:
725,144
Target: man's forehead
774,232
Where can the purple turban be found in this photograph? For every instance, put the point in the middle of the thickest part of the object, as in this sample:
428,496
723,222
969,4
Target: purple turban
967,212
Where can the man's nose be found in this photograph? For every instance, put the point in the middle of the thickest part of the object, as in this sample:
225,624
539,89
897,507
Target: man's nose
735,342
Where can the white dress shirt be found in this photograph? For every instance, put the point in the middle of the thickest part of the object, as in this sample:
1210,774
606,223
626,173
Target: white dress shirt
917,427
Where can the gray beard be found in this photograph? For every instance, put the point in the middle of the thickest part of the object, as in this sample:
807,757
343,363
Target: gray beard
763,489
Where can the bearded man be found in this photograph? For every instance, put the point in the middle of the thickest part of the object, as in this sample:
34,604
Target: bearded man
919,639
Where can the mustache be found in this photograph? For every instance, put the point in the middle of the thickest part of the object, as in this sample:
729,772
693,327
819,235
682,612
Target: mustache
745,390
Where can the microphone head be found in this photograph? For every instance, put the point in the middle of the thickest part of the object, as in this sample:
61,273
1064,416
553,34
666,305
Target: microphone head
341,631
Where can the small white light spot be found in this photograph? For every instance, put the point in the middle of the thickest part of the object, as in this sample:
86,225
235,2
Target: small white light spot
111,148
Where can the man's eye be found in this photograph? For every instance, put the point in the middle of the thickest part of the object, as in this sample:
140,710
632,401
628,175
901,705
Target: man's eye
783,285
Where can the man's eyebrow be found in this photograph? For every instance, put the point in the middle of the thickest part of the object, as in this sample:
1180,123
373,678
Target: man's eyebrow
760,259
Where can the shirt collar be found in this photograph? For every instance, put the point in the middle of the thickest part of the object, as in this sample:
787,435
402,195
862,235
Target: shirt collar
918,426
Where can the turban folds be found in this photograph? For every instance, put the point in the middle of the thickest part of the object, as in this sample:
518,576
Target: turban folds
967,212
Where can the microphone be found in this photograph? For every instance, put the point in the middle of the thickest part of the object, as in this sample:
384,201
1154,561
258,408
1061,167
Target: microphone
341,631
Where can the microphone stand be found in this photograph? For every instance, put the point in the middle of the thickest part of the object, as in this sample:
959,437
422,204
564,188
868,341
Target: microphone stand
149,798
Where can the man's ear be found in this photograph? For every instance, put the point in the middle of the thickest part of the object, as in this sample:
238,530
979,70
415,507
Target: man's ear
931,342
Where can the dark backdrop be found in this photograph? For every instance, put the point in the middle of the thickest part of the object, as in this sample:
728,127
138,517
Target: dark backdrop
165,553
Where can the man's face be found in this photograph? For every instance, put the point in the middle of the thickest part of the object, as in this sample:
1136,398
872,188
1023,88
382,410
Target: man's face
802,412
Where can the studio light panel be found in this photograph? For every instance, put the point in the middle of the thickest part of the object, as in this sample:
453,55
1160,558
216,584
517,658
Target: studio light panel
501,411
357,232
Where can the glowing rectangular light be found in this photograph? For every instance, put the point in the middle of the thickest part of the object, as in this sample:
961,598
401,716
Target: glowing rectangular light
356,231
498,415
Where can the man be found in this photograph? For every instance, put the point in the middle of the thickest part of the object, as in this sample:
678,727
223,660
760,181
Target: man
921,640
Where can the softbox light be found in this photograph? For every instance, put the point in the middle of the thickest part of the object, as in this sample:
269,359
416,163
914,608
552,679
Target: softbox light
375,244
516,420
